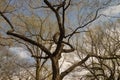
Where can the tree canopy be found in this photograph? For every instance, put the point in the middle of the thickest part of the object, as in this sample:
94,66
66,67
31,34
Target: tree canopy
49,29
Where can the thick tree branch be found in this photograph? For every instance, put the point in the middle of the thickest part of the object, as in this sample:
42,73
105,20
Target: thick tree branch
8,21
57,16
68,50
50,6
40,57
68,4
55,39
84,60
74,66
61,27
30,41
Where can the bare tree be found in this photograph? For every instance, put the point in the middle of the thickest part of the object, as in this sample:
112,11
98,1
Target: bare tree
59,37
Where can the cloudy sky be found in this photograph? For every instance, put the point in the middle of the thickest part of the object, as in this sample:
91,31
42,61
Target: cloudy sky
112,11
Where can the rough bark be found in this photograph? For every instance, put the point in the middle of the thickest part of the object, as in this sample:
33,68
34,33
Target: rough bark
55,68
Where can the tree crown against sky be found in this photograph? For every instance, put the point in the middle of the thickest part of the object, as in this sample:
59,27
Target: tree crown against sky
37,25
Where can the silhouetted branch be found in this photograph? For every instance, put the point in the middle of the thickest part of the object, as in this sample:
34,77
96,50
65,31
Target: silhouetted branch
30,41
74,66
8,21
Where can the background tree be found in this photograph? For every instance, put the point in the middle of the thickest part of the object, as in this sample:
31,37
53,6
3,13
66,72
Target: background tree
102,45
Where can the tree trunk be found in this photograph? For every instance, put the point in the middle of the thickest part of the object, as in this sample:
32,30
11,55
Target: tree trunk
55,69
37,69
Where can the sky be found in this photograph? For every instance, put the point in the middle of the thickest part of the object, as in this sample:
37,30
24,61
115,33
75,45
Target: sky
21,54
112,11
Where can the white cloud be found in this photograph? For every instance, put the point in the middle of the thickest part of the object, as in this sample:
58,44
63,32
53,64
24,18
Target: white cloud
21,55
20,52
112,10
